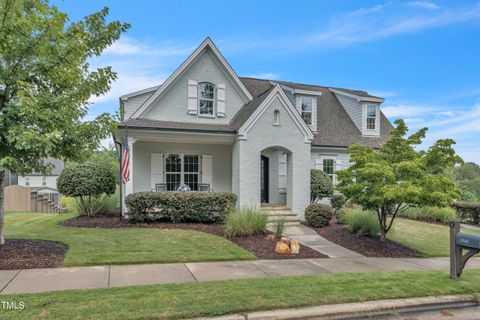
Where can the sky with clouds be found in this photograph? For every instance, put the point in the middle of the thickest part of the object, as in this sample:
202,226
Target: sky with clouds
422,56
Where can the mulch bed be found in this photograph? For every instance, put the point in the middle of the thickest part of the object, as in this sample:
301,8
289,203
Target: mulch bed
260,245
367,246
28,254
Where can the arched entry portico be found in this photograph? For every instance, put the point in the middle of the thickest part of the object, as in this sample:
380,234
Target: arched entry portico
274,177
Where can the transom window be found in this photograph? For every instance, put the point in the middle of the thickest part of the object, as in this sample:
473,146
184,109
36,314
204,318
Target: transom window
181,169
206,95
371,116
307,109
329,167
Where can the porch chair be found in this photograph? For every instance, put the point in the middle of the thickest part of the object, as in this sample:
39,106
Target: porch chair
204,187
160,187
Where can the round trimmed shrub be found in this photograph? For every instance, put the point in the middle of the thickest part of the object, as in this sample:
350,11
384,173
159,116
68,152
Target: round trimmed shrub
337,201
318,215
87,183
321,185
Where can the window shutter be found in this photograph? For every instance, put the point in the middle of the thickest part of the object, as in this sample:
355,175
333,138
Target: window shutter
221,100
156,169
192,97
299,103
282,172
207,170
318,164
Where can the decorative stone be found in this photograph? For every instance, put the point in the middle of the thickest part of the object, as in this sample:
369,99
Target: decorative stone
285,240
282,248
294,246
271,237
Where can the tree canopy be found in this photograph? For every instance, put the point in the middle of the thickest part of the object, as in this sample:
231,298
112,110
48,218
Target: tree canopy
321,185
46,82
398,175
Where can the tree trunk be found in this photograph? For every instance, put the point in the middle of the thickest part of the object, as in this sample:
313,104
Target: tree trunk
383,224
2,221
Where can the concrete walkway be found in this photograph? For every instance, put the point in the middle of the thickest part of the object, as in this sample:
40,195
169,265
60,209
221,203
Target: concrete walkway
43,280
308,237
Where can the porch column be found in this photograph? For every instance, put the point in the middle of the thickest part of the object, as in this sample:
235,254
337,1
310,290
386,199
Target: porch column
128,189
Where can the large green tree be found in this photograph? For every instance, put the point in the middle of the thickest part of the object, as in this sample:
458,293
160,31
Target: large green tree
45,84
398,176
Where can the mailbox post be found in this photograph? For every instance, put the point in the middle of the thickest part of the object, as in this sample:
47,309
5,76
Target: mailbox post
458,242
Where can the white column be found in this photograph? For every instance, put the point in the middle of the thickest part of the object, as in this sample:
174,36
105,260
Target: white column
129,184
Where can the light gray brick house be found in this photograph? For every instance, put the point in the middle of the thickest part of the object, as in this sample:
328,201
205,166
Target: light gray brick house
212,130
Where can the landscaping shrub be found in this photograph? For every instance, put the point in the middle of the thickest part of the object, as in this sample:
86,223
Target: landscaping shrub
338,201
179,207
321,185
107,205
87,183
318,215
430,214
362,222
279,226
340,215
246,222
468,211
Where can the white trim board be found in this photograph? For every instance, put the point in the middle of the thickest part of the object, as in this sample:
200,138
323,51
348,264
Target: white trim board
297,119
206,44
357,97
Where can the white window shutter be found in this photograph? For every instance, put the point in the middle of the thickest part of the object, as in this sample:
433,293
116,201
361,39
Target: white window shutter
298,104
207,170
156,169
282,171
221,100
192,97
318,164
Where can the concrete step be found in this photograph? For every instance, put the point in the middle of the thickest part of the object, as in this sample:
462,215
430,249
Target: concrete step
290,223
285,213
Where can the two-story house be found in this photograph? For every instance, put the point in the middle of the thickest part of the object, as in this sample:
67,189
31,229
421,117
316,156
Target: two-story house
212,130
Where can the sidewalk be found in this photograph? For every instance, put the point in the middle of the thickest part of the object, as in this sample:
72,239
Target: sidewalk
43,280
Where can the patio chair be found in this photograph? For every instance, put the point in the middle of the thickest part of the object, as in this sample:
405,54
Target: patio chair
160,187
204,187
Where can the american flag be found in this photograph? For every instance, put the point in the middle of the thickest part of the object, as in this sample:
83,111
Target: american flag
126,161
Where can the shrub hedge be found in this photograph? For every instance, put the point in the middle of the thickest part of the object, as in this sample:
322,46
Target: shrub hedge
468,211
179,207
429,214
318,215
321,185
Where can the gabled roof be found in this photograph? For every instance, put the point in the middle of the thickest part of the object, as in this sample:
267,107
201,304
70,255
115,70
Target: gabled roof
357,94
205,45
275,92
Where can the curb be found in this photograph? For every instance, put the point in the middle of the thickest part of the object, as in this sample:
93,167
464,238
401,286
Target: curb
359,310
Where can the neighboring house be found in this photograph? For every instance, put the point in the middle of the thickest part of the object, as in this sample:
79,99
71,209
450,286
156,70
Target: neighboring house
208,128
9,179
44,184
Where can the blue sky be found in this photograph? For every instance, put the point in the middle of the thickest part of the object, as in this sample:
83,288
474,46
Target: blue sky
422,56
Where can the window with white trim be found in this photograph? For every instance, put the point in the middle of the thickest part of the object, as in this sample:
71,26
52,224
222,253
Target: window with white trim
307,110
206,98
371,116
27,182
181,169
329,168
44,181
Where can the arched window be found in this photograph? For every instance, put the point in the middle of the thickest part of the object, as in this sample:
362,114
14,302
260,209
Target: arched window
206,96
276,117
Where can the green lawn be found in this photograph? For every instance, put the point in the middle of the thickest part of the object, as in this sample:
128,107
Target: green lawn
90,246
430,240
223,297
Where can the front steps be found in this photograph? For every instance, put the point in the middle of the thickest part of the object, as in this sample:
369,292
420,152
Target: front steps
280,212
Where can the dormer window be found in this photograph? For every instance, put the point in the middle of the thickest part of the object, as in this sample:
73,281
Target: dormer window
371,116
206,97
307,109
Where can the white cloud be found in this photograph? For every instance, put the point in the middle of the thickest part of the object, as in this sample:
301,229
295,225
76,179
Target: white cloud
424,5
264,75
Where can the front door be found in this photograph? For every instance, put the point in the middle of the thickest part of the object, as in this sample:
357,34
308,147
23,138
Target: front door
264,170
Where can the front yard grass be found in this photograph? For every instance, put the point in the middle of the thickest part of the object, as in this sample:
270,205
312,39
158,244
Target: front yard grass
428,239
95,246
223,297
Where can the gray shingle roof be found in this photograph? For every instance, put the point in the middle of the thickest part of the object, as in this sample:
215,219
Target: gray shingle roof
335,127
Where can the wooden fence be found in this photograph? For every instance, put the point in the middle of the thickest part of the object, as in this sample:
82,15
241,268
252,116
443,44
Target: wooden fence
23,199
